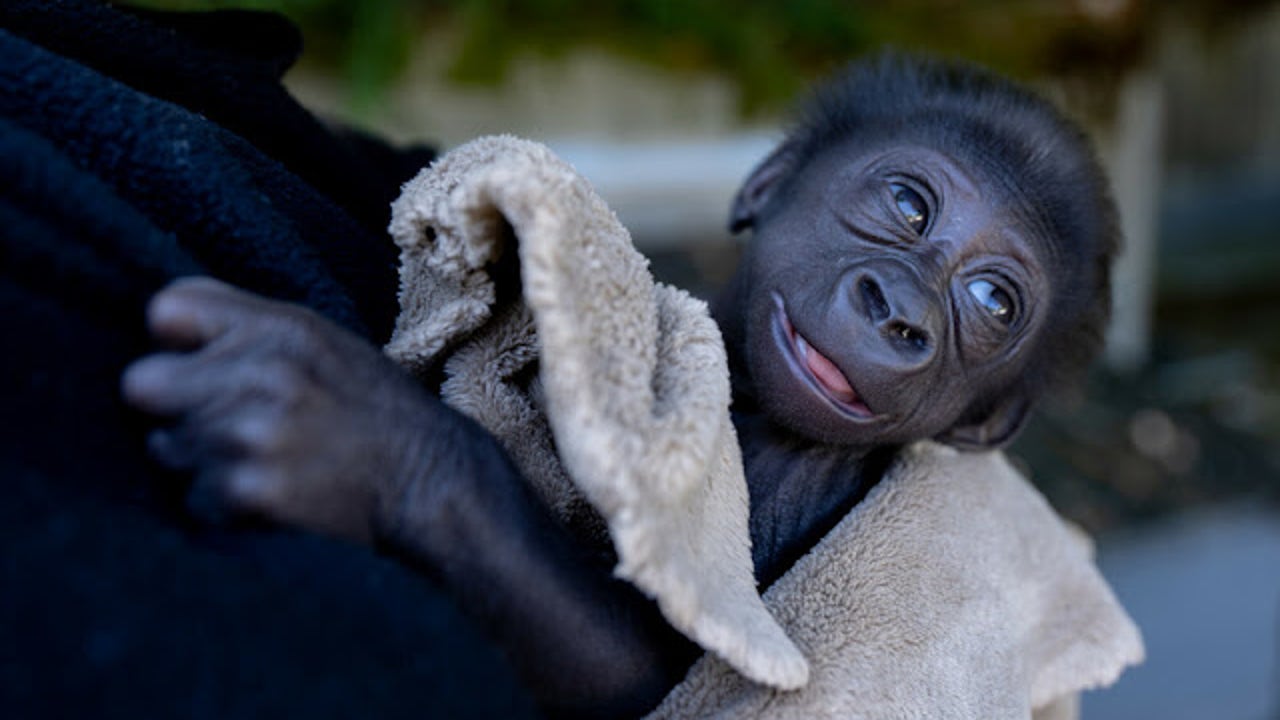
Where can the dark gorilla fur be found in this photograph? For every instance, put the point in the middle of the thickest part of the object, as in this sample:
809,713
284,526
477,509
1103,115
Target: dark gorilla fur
988,122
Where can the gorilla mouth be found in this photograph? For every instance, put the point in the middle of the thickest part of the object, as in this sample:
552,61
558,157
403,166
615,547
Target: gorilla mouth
820,371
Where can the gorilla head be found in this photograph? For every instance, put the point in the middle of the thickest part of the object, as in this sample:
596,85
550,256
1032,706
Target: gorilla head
930,252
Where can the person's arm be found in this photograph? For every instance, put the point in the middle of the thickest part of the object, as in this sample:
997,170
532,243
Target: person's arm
281,415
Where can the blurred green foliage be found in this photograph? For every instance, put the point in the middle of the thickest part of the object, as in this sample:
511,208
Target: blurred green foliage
769,48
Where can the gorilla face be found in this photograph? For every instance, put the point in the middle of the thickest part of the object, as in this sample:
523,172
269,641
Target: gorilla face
888,297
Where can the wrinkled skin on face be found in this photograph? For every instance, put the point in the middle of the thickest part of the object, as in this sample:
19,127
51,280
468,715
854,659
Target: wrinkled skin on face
887,297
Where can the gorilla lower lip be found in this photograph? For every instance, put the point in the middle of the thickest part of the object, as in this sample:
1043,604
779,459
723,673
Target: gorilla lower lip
828,379
826,372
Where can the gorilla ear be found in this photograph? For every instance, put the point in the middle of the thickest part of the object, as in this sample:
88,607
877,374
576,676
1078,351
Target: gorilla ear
993,431
758,189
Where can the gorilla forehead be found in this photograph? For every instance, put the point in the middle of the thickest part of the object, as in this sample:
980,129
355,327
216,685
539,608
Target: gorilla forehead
1038,160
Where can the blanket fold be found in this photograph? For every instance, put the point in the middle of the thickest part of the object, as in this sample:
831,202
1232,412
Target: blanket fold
629,408
951,590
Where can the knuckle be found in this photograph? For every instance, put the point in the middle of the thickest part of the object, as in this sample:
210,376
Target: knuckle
310,335
282,379
145,378
163,306
261,434
175,299
181,290
253,487
162,384
286,335
167,448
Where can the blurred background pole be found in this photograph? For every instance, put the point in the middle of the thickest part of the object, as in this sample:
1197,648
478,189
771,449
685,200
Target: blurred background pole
1133,153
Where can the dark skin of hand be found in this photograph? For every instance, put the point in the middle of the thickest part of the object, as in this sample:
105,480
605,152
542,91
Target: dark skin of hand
286,417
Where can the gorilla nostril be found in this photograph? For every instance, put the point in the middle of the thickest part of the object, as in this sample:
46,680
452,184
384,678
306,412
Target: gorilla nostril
909,336
895,319
874,300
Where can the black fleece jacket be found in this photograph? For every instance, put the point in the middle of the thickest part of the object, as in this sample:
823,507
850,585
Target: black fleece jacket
136,147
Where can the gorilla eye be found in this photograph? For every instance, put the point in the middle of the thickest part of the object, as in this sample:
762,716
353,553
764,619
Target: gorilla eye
994,299
912,206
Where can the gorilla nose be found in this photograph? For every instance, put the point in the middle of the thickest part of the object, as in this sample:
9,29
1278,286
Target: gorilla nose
901,312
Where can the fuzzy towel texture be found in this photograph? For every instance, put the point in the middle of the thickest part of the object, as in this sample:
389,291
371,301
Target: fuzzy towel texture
631,400
952,590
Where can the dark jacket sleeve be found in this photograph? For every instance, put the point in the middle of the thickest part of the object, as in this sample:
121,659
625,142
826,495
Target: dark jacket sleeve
136,148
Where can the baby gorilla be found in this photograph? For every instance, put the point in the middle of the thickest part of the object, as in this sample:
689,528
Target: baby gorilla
930,253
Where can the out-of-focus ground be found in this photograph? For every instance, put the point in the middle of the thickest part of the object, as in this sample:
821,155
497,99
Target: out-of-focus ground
1204,586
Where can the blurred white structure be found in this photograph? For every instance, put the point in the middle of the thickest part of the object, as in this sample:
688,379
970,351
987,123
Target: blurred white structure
672,191
1133,152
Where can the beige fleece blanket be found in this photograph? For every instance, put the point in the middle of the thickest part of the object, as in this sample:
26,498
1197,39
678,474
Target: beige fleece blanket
629,407
952,590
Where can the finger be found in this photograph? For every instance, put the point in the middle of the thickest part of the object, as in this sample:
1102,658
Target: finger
207,498
221,492
170,449
210,438
273,493
227,481
164,384
191,312
225,429
223,375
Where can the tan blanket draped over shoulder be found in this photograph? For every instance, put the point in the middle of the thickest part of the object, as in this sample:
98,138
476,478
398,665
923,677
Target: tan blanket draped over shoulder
952,590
